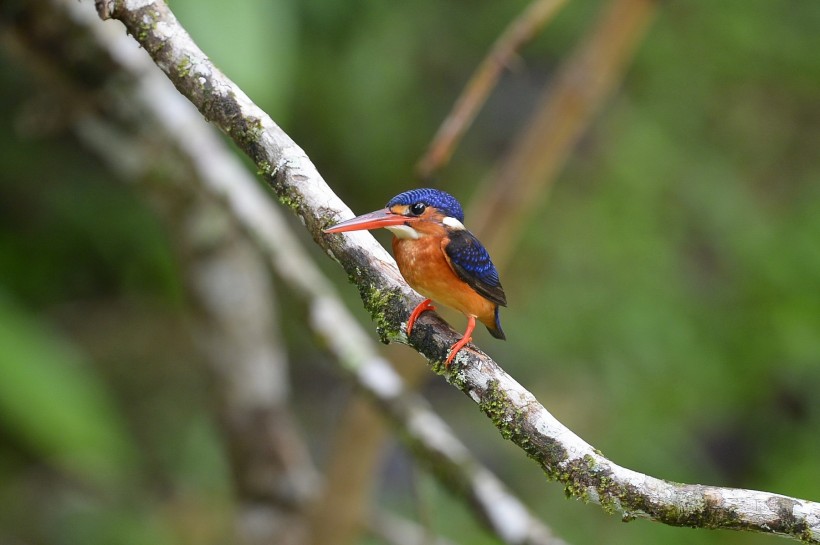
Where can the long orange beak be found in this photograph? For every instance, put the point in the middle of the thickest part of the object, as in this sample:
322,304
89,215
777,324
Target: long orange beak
373,220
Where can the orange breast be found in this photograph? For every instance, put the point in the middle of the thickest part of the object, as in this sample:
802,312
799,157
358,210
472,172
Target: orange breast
423,264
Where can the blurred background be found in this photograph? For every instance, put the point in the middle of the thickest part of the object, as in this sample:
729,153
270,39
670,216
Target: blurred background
664,295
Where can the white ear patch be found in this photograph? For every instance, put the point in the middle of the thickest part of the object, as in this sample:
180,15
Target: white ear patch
452,223
404,231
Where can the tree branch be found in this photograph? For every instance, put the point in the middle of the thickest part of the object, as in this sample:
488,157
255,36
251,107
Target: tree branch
211,170
565,457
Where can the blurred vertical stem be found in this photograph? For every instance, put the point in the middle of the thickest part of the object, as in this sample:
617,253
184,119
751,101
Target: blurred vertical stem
341,512
502,207
358,442
237,331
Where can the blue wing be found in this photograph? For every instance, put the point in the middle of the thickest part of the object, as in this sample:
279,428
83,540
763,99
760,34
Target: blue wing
471,262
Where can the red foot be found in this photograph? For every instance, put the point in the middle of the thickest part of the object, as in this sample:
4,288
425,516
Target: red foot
421,307
464,340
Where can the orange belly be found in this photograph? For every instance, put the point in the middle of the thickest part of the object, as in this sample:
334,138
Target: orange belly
423,264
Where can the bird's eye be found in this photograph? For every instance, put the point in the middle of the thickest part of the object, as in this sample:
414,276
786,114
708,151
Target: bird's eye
417,209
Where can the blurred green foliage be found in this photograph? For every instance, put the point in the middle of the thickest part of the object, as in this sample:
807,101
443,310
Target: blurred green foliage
55,403
666,304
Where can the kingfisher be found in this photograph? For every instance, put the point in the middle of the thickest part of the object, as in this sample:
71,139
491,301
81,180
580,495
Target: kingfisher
439,258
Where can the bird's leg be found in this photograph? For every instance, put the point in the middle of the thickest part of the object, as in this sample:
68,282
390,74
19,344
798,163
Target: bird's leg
464,340
421,307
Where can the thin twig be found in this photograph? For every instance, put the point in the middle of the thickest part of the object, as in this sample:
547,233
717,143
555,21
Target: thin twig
521,30
568,105
564,456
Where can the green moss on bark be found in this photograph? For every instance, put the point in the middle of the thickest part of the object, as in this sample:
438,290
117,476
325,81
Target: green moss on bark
382,306
183,68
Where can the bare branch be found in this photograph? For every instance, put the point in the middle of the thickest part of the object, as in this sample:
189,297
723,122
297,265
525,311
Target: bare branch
520,31
565,457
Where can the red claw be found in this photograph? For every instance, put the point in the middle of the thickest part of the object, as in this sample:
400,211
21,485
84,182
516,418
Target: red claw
421,307
464,340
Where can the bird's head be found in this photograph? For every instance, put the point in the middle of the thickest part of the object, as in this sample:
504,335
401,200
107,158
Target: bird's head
412,214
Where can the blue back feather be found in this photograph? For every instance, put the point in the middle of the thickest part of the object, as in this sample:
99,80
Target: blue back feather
472,263
471,256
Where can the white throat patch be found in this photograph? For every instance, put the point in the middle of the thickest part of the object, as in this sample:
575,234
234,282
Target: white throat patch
404,231
453,223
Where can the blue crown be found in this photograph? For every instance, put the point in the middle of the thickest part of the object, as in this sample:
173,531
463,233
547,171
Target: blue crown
430,197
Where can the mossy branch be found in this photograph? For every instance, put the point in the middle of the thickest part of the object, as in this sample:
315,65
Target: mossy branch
584,471
215,172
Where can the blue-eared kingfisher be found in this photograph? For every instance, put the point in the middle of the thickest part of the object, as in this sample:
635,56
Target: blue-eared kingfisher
439,258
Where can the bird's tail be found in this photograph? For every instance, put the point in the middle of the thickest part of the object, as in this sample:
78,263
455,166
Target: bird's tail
494,326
